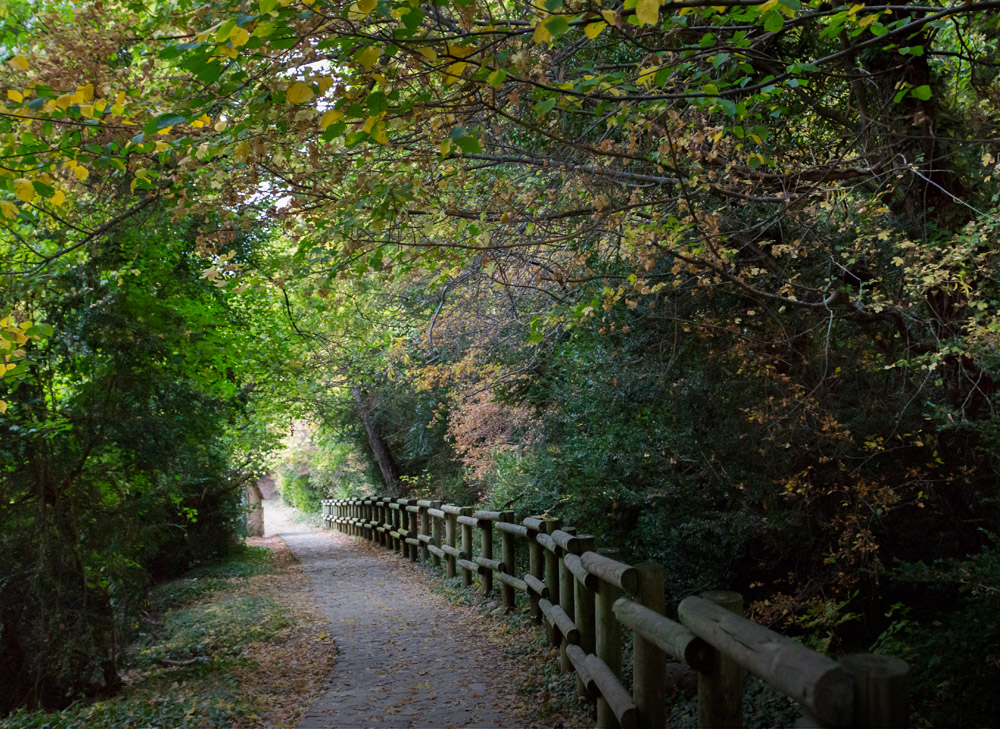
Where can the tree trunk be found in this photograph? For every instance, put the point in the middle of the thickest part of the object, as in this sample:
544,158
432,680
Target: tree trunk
379,449
255,511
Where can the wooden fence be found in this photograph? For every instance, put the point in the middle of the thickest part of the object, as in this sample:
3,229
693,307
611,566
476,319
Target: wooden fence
586,598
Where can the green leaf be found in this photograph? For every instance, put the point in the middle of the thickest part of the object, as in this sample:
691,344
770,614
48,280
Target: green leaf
727,106
544,107
922,92
497,78
376,102
773,22
42,189
40,330
557,25
469,145
162,122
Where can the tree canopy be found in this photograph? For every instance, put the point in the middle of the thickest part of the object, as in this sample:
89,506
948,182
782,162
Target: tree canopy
717,277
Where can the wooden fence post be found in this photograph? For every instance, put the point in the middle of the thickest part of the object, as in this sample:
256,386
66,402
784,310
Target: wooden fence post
436,531
551,577
450,533
401,546
393,512
486,551
507,557
466,546
720,689
411,532
583,615
425,530
649,662
566,597
608,644
881,691
536,566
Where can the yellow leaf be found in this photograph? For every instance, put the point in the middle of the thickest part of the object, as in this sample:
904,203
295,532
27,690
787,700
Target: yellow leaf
81,172
8,209
427,52
647,12
58,198
368,57
769,5
242,152
445,147
298,93
238,36
592,30
366,6
3,406
329,117
220,126
117,110
86,92
324,83
541,34
460,51
609,17
454,72
16,96
19,62
120,99
24,190
379,134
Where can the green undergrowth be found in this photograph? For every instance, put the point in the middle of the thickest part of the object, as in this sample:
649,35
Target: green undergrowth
181,670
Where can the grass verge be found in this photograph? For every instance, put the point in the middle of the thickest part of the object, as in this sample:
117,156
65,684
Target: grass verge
236,644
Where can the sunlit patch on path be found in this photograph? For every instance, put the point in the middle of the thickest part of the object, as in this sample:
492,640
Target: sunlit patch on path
407,658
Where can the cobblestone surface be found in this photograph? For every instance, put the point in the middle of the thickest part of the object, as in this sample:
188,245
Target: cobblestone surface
407,658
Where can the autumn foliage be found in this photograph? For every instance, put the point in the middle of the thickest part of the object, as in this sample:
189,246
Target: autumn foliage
715,281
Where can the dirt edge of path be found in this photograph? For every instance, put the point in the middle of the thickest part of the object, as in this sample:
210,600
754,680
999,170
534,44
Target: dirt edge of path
289,672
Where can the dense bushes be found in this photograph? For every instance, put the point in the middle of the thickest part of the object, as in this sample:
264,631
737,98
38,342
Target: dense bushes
790,458
115,459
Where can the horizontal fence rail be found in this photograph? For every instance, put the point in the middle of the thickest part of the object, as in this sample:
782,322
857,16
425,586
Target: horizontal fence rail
586,597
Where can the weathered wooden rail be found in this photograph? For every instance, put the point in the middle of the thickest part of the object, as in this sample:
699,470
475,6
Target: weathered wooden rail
585,597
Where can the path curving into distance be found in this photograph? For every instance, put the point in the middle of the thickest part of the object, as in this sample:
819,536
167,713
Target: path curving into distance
406,658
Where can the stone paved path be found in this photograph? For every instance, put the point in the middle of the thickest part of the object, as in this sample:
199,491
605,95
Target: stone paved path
407,658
